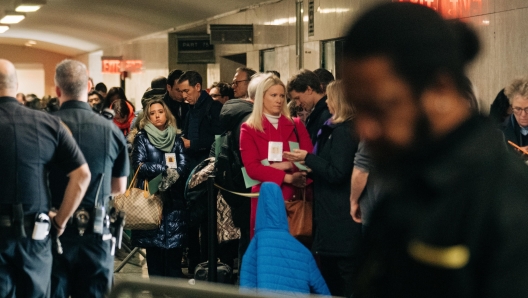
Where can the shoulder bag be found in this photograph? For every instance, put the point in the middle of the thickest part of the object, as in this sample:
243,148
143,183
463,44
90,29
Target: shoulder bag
299,211
143,210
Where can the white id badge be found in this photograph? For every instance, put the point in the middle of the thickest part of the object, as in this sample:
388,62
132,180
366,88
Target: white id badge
170,160
41,230
275,151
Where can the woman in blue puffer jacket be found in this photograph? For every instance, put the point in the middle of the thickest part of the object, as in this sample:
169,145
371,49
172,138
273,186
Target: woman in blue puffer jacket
155,143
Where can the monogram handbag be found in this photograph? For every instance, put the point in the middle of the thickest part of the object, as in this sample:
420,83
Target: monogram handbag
226,229
143,210
299,211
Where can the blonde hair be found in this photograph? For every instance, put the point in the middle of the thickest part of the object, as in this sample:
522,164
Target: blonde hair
171,121
255,119
344,110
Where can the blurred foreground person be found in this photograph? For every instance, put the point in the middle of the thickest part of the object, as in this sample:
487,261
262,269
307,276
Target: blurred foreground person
32,141
453,220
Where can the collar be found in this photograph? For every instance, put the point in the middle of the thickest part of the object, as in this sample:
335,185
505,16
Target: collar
203,97
6,99
321,103
318,108
75,104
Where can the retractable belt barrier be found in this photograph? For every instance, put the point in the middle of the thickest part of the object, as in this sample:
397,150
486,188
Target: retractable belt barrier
242,194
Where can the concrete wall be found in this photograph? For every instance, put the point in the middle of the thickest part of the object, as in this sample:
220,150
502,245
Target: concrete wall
28,56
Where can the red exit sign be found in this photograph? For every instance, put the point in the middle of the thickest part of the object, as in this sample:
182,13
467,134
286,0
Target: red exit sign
451,8
118,66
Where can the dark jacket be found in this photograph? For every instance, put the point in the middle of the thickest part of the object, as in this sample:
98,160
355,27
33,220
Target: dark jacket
317,118
452,223
201,126
512,132
335,233
173,230
233,114
178,109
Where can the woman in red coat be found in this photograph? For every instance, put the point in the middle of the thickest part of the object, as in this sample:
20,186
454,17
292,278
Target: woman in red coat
263,138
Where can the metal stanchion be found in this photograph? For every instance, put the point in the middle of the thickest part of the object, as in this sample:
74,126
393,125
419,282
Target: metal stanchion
211,214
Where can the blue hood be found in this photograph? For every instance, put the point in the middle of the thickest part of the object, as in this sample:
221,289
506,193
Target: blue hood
271,212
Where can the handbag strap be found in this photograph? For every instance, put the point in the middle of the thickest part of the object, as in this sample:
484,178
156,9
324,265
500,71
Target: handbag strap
133,181
295,131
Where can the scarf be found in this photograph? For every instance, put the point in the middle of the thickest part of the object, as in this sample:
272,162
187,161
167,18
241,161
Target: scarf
125,127
161,139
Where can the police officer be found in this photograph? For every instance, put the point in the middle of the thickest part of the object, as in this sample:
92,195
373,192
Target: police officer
31,142
85,269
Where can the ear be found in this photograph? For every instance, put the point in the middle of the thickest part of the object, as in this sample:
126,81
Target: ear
90,85
169,87
198,86
309,90
58,91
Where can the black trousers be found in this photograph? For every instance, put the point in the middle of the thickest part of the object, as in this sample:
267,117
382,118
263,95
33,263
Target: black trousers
85,268
338,274
164,262
25,267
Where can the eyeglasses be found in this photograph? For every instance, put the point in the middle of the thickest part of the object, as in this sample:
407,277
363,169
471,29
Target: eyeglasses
215,95
235,83
518,111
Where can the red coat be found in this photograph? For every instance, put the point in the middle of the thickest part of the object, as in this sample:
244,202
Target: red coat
254,149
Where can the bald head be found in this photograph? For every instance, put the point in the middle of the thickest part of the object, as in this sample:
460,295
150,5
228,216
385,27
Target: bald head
8,79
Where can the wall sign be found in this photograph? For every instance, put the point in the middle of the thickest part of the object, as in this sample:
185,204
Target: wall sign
451,8
117,65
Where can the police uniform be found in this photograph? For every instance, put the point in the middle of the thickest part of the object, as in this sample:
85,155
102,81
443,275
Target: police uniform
32,141
85,269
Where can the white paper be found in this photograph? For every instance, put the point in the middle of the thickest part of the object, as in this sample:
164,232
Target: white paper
170,160
275,151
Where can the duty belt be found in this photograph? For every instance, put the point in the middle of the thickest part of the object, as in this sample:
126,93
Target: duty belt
6,221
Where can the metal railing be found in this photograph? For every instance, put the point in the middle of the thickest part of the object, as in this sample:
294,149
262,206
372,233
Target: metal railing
181,288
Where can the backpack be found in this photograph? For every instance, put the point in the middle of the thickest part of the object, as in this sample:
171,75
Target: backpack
196,191
228,165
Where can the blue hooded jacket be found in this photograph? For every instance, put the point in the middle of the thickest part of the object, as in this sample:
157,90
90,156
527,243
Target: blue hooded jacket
275,260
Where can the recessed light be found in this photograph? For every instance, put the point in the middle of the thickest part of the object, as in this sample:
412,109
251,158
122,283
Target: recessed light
3,28
27,8
12,18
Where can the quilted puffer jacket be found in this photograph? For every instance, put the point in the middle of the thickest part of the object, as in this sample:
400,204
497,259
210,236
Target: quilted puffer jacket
274,260
173,229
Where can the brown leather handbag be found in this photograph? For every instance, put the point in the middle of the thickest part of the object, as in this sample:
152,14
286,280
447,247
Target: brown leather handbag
299,211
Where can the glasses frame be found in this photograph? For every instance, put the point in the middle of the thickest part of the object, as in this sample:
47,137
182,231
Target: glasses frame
235,83
519,110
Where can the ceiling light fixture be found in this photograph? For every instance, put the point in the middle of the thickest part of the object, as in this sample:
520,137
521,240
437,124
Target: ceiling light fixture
4,28
29,5
12,18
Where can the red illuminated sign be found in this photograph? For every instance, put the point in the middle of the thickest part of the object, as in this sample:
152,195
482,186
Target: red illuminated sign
118,66
451,8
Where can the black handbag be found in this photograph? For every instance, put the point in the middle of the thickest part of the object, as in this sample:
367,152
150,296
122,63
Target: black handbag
224,273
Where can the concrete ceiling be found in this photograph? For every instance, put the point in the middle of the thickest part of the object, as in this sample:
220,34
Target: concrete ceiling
73,27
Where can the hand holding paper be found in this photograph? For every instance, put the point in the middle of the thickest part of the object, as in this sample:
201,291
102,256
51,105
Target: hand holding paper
296,155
